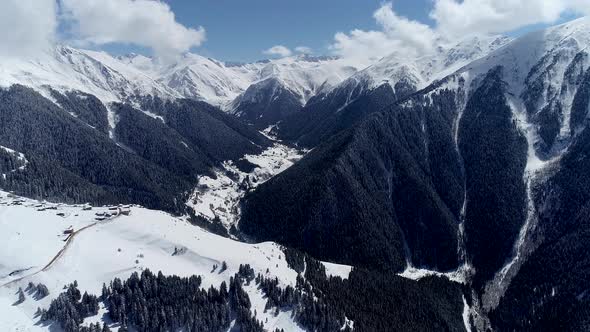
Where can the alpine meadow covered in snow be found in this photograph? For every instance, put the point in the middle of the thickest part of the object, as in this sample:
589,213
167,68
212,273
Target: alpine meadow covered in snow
426,168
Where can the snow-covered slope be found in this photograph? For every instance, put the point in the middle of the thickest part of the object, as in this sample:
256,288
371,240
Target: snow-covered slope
417,72
193,76
222,84
67,68
219,83
202,78
307,76
36,249
542,71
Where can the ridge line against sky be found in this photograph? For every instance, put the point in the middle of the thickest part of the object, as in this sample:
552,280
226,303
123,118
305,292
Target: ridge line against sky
359,31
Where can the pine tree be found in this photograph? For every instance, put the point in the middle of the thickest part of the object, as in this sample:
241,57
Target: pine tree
21,296
42,291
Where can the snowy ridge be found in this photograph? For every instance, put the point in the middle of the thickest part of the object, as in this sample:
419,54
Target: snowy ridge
193,76
64,68
419,72
307,78
205,79
522,54
220,84
125,78
99,250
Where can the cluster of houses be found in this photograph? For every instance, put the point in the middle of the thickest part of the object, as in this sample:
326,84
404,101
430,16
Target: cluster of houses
113,211
14,200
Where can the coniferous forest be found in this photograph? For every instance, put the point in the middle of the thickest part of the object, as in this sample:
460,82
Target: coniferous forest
374,301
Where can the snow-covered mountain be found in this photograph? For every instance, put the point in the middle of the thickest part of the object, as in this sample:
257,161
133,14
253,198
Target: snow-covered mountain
419,72
65,68
125,78
543,71
392,78
232,87
494,148
219,83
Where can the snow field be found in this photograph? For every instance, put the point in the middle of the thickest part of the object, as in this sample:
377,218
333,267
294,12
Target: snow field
117,247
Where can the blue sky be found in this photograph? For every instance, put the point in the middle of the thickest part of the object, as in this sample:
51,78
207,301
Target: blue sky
239,30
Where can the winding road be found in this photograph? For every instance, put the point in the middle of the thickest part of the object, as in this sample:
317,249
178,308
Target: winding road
63,250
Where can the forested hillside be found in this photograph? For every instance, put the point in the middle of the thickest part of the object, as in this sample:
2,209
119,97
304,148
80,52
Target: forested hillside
358,202
150,161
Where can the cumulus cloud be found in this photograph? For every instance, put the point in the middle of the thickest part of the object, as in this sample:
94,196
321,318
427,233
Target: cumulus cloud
396,33
408,32
493,16
278,50
148,23
453,19
303,50
27,26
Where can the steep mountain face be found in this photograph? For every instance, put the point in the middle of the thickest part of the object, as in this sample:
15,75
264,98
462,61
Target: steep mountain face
355,201
483,169
370,90
265,103
85,107
494,158
149,159
550,291
550,279
320,120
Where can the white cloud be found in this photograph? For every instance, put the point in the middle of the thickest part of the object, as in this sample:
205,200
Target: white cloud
148,23
396,33
26,26
493,16
279,50
412,33
303,50
453,19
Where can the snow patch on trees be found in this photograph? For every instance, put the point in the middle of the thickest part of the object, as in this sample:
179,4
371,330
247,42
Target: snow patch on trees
218,197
